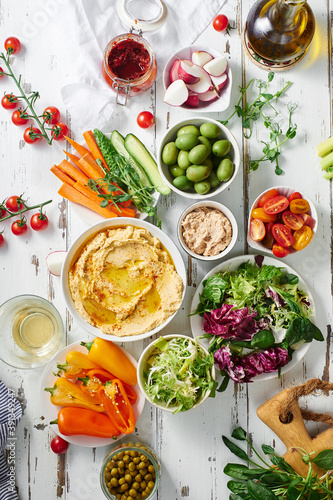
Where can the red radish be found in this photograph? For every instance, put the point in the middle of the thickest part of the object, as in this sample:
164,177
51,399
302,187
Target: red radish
217,66
176,94
174,71
201,57
192,100
187,61
187,73
220,81
208,96
204,84
54,262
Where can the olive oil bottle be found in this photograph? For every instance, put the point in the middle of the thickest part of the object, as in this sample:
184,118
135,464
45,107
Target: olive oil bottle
280,30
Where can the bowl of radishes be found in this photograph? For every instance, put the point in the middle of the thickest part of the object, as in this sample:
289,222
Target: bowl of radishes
198,77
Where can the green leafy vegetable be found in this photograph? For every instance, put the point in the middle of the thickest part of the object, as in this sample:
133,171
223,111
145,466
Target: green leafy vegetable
251,112
278,480
178,373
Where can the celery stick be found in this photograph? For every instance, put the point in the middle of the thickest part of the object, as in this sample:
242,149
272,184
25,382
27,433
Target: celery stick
327,161
328,175
325,147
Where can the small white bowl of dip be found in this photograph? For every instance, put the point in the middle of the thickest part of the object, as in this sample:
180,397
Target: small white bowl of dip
207,230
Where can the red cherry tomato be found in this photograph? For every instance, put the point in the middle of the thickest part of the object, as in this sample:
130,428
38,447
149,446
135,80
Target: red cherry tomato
269,240
18,118
258,213
302,238
9,101
308,221
59,445
19,227
51,115
145,119
276,205
1,73
2,240
12,204
221,23
13,45
30,136
272,193
299,206
39,222
282,235
3,213
294,196
59,130
279,251
293,221
257,230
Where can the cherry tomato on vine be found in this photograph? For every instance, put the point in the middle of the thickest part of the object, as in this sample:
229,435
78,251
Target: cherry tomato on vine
279,251
221,23
294,196
257,230
2,240
19,227
39,222
59,445
145,119
13,45
3,213
30,136
276,205
51,114
13,205
267,196
1,73
59,130
17,118
9,101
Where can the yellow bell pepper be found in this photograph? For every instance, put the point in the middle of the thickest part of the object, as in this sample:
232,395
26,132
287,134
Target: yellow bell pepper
67,393
77,365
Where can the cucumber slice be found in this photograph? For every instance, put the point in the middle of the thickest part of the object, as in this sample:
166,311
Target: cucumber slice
140,153
117,141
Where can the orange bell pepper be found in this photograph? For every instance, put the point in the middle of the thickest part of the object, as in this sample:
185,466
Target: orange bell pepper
77,365
110,357
84,422
67,393
113,397
96,378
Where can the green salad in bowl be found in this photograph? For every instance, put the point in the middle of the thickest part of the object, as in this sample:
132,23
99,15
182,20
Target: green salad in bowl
176,373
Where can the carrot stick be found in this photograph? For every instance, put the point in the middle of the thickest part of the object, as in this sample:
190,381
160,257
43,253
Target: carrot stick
122,212
73,158
90,167
70,193
62,175
73,172
80,149
93,146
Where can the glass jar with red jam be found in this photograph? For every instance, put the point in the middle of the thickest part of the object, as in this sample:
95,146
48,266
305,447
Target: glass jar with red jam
129,65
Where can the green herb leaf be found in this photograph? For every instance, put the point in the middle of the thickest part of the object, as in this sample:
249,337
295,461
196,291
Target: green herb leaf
262,339
268,450
239,471
236,450
236,486
259,492
224,384
324,459
239,434
292,493
289,278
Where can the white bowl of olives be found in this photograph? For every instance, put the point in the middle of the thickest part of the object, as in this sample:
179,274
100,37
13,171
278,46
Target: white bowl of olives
198,158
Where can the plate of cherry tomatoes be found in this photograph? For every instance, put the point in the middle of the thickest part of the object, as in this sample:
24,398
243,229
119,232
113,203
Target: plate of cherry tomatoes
281,221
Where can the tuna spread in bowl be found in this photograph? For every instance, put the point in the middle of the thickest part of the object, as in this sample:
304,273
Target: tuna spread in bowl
124,282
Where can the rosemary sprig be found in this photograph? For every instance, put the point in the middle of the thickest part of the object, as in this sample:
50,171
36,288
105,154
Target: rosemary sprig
251,112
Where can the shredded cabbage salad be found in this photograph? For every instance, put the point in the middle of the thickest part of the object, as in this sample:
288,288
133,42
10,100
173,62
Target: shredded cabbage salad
179,373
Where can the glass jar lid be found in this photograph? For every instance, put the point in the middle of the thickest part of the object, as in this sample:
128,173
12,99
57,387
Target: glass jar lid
142,15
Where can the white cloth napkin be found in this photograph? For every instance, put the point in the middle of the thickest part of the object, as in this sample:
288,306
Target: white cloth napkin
89,26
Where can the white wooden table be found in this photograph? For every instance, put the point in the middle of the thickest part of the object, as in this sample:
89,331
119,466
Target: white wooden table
189,446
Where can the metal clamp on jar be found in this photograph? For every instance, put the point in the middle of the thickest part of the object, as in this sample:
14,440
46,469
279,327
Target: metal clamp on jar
129,65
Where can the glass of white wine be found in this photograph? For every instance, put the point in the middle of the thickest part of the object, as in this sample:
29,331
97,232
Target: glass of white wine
31,331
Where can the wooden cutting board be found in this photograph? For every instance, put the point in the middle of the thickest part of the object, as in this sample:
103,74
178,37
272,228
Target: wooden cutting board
293,434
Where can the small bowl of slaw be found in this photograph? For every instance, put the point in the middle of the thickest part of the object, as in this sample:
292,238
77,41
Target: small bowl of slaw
176,373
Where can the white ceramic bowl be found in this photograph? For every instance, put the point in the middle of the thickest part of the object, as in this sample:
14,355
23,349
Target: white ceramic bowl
142,368
226,212
78,245
171,135
284,191
215,106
